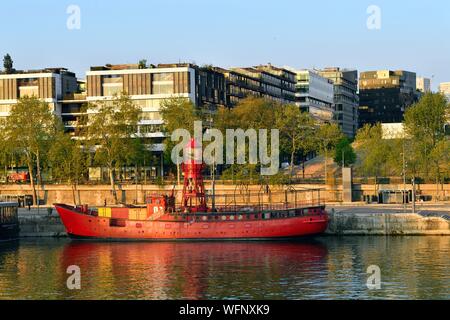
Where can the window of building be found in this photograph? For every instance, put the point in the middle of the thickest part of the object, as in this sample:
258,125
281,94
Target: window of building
111,90
151,116
29,91
112,85
152,128
5,108
162,83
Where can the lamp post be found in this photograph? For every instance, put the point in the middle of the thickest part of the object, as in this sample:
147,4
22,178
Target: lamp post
404,177
413,180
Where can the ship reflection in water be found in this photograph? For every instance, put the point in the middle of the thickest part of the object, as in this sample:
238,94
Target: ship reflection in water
326,268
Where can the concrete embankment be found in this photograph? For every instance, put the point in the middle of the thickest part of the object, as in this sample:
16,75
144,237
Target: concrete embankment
41,226
386,224
351,221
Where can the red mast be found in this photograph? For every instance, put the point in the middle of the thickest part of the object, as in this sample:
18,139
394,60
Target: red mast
194,199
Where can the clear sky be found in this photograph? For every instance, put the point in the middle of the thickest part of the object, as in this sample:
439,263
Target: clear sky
414,34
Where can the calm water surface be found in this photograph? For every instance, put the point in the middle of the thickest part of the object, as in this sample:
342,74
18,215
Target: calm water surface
325,268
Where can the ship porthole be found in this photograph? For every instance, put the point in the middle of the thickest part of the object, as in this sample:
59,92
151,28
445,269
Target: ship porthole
231,217
224,218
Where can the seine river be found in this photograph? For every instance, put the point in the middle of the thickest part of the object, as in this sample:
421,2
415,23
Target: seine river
324,268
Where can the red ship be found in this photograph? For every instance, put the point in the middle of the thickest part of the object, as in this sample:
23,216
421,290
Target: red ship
290,214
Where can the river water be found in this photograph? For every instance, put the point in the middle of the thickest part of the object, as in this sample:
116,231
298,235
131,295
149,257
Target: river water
323,268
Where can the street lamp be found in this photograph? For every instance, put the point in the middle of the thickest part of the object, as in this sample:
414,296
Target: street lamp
413,180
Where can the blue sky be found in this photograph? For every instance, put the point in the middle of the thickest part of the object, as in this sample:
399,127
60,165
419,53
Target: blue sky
414,34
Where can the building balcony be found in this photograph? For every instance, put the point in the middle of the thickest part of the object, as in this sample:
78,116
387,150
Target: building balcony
72,97
70,124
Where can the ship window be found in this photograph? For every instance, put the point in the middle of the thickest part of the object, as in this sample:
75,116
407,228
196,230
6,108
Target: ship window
117,223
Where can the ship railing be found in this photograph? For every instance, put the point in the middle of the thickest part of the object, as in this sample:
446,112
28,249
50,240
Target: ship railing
267,200
261,208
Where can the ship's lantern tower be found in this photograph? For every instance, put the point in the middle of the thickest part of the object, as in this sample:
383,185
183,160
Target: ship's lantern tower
194,199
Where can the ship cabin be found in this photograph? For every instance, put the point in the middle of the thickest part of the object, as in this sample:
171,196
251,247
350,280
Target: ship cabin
160,204
9,213
9,221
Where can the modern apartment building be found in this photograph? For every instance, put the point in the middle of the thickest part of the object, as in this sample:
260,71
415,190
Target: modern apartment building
444,88
264,81
423,84
148,87
73,106
315,95
385,95
346,99
50,85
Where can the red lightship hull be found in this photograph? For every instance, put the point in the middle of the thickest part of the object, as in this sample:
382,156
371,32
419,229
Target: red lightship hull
276,224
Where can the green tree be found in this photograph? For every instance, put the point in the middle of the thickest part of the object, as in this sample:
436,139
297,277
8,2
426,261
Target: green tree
327,137
68,161
297,131
30,128
177,113
142,64
424,125
8,64
344,153
373,151
254,113
5,149
250,113
440,156
112,132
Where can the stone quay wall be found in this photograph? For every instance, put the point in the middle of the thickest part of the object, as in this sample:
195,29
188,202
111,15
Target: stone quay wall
97,195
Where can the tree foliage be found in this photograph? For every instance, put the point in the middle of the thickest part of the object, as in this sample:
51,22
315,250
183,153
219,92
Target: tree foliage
425,126
8,63
142,64
250,113
30,129
297,131
111,133
327,137
344,153
372,150
68,161
5,147
179,113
